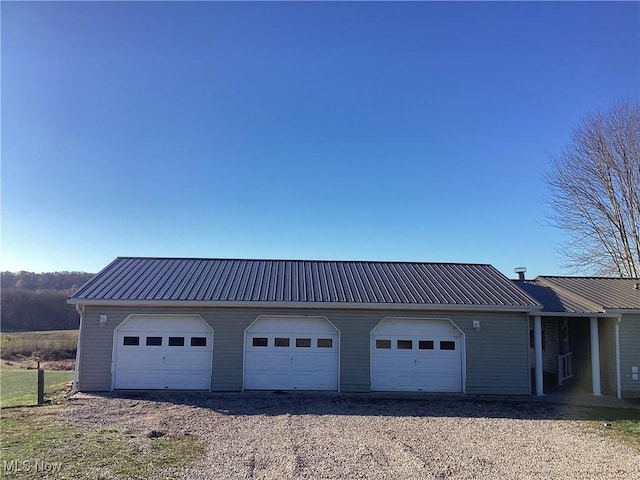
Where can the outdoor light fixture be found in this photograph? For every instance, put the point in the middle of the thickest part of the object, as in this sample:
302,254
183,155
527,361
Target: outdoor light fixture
103,320
476,325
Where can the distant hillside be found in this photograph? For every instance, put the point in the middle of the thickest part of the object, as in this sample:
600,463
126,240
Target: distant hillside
37,301
60,281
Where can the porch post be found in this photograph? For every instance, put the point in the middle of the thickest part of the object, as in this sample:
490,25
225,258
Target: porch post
618,376
537,347
595,356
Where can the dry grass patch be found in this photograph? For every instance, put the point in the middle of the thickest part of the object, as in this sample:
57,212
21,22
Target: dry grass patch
48,345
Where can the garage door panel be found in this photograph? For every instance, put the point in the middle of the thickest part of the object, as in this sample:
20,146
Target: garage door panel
450,383
137,362
165,356
416,355
132,380
192,380
198,362
324,362
195,380
431,383
307,358
316,382
272,381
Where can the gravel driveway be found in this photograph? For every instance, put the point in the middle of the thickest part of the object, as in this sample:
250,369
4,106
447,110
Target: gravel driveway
297,435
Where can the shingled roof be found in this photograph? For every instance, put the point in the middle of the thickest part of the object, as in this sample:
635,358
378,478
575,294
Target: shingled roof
220,281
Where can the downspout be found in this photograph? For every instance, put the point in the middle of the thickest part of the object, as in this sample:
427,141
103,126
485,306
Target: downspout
74,384
618,320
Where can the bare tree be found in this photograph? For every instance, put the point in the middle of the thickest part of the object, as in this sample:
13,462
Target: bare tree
595,193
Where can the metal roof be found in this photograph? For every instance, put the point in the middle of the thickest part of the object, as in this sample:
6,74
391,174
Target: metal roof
555,300
601,292
583,294
302,281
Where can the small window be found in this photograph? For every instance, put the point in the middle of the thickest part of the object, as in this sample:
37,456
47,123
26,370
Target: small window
176,341
325,342
383,343
425,344
260,341
303,342
131,341
154,341
447,345
198,341
281,342
405,344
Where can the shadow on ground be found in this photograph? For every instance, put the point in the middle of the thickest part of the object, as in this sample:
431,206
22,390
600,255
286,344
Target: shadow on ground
441,405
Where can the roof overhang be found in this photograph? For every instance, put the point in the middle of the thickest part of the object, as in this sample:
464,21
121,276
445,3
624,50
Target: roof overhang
311,305
607,313
623,311
573,314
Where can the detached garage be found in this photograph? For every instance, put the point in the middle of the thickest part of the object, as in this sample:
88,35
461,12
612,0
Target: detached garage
346,326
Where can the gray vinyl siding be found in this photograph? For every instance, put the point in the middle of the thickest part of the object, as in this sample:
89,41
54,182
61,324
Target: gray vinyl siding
497,360
355,342
96,346
228,347
629,355
497,356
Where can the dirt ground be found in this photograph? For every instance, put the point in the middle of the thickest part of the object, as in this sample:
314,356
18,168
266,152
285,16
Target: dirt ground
309,435
18,361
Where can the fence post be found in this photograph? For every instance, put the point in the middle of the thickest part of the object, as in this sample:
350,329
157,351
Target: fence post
40,385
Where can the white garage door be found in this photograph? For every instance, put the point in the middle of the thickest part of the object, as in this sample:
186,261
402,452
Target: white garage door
416,355
163,353
286,353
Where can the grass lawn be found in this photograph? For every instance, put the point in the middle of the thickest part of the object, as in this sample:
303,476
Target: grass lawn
35,444
19,387
624,423
629,430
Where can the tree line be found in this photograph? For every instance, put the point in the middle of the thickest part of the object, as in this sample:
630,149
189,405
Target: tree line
38,301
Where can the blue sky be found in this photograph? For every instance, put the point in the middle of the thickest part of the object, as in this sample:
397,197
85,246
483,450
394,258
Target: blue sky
412,131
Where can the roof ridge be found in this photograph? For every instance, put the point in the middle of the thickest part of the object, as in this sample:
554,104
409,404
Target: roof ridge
410,262
577,277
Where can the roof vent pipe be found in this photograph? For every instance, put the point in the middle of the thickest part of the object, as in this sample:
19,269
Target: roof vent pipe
520,271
